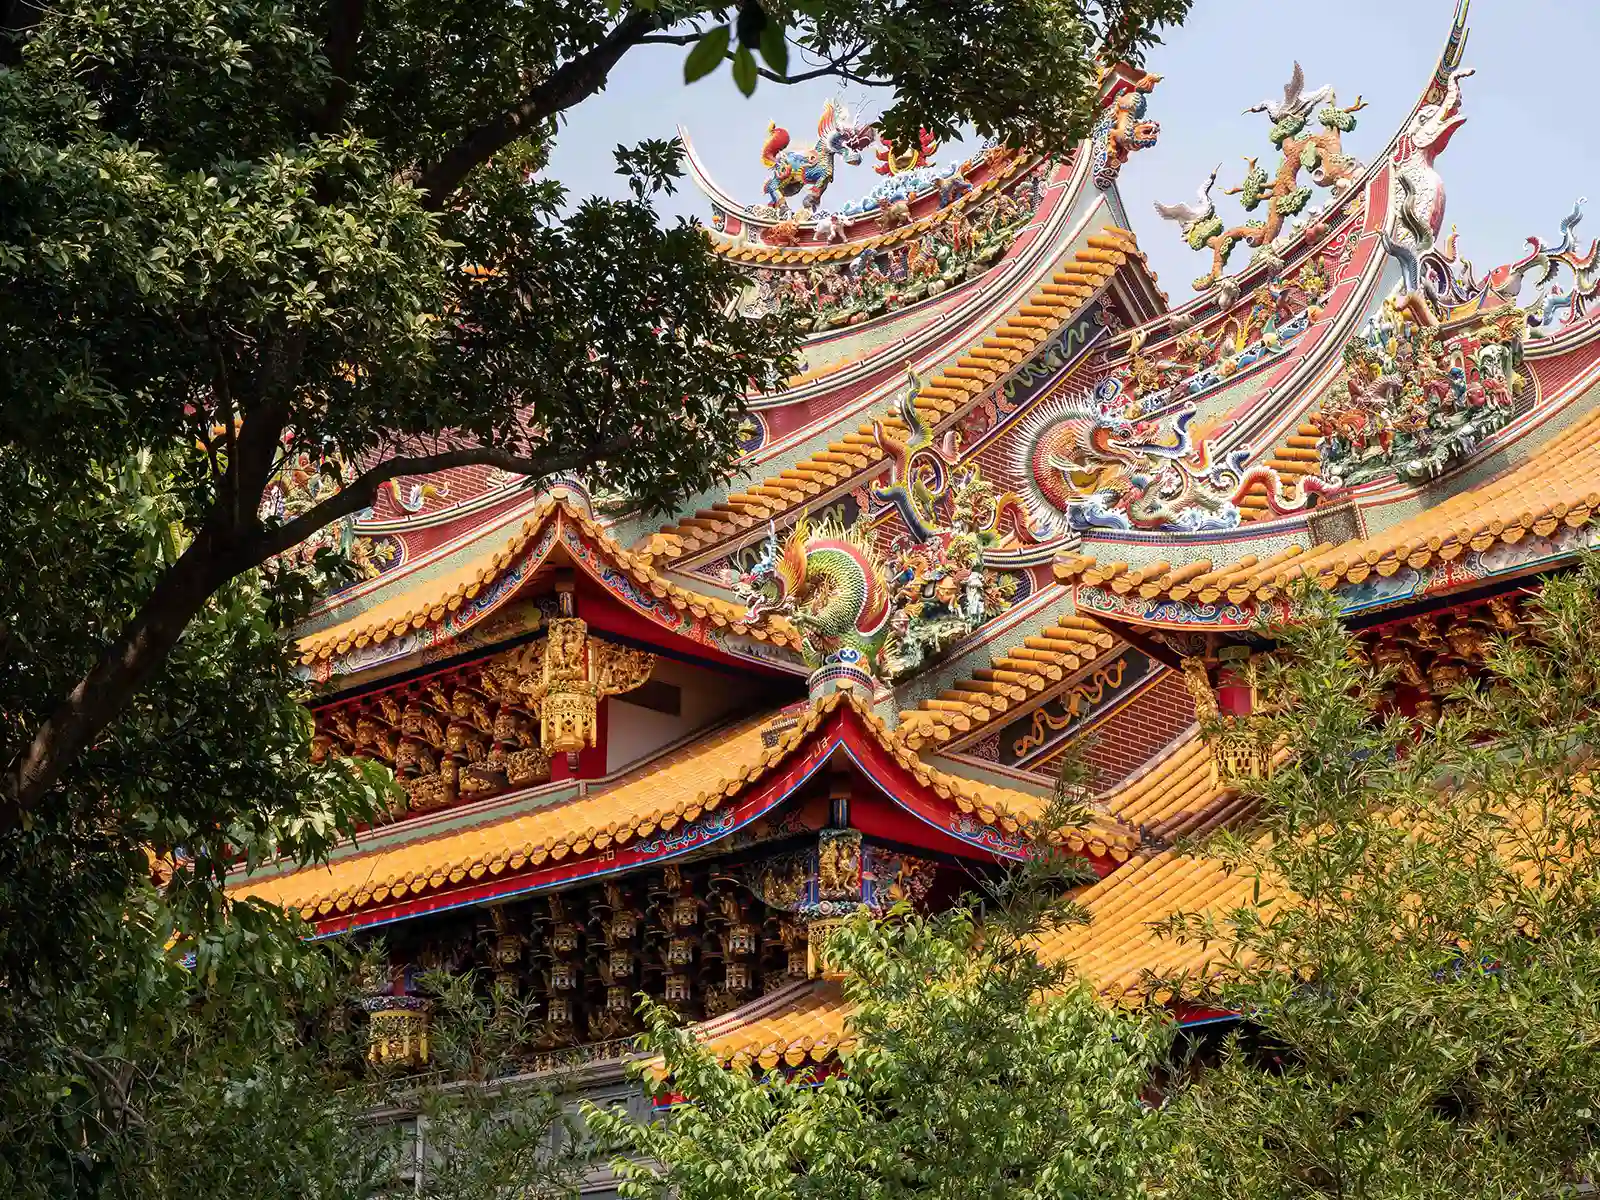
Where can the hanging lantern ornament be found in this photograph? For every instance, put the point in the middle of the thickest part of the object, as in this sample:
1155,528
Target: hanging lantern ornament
397,1030
566,674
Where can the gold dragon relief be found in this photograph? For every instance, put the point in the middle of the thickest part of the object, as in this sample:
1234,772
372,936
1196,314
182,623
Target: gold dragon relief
1073,705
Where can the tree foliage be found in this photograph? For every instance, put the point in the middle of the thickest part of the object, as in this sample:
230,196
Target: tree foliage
237,230
1423,963
976,1071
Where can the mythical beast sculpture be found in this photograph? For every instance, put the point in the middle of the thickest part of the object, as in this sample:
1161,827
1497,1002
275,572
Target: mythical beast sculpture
828,583
1321,153
1091,465
810,173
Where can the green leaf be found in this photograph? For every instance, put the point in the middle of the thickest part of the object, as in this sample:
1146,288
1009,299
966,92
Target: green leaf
751,23
744,70
710,50
775,48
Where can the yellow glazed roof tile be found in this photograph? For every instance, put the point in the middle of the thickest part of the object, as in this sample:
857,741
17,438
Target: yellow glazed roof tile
1011,679
1121,951
677,789
940,396
808,1028
431,601
1558,487
674,790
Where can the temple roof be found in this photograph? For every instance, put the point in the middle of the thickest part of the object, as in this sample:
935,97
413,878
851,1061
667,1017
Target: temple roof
998,354
1119,953
1012,678
1180,795
810,1025
1557,488
688,798
465,594
763,254
1122,953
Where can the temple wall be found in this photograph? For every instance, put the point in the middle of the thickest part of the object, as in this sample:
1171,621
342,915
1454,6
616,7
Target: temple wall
1129,738
635,731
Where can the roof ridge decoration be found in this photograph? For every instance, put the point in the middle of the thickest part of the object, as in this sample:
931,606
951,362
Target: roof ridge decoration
1284,195
891,228
1410,152
1093,461
432,613
871,620
897,208
639,820
1418,401
1552,309
1526,518
948,391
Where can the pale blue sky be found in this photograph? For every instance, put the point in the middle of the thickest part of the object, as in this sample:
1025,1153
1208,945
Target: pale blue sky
1527,151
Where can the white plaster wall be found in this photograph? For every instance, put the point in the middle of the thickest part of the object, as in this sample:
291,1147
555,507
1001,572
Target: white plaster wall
633,733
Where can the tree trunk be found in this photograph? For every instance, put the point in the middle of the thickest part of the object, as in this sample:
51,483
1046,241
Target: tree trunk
126,665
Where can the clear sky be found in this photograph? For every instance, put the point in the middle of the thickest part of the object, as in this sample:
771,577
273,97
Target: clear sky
1527,151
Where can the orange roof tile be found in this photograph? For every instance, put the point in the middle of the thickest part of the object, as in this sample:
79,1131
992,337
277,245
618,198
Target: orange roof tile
1012,678
1181,794
1559,486
1119,951
809,1027
676,789
673,790
429,602
947,391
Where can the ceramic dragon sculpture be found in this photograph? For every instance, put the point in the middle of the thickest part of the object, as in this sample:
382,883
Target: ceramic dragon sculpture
1092,466
923,476
828,583
1122,130
810,173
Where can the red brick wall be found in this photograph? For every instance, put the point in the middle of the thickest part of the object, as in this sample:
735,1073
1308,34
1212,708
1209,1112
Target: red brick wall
1128,739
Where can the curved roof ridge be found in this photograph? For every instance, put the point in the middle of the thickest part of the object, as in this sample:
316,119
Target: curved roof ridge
1555,488
946,392
438,601
605,831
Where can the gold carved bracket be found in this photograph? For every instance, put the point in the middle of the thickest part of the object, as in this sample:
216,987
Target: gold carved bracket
566,674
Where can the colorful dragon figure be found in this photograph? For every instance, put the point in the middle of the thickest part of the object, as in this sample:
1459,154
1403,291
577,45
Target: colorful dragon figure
923,476
1321,153
1091,465
810,173
830,585
1121,130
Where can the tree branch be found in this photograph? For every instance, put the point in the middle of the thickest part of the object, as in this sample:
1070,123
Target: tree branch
836,67
348,18
569,84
